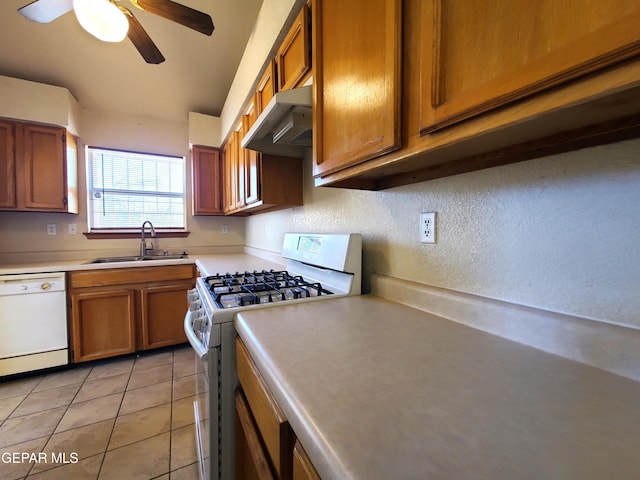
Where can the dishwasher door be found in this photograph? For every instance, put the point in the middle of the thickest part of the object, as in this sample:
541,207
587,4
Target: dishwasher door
33,322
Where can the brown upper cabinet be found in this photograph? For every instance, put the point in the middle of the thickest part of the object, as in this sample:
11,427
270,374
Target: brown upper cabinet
267,87
294,55
227,180
478,56
255,182
478,85
251,158
356,68
206,179
234,171
38,168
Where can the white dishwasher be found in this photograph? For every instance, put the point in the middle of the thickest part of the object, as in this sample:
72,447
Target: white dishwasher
33,322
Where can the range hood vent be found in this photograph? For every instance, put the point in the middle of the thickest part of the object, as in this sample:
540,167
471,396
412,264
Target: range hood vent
285,125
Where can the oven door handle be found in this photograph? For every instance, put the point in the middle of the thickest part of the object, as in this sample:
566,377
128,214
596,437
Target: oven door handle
200,350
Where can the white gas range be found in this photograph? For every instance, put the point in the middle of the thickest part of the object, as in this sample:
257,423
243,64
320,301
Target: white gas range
318,267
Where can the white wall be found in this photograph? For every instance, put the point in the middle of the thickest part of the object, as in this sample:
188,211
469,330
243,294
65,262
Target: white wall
22,99
24,235
559,233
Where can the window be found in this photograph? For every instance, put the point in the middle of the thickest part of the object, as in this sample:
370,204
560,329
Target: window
126,188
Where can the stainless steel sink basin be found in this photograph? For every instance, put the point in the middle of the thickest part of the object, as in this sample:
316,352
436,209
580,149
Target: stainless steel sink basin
137,258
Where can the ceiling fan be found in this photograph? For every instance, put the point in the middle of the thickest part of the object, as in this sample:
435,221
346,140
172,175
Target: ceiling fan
109,21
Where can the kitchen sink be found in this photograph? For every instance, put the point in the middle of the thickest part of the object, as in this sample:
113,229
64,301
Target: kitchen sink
137,258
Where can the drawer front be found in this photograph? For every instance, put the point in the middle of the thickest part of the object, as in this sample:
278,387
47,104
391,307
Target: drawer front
122,276
274,428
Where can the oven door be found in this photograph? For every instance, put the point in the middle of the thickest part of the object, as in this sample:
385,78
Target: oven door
205,405
206,415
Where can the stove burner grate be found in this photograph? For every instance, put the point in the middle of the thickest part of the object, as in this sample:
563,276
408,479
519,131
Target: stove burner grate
251,288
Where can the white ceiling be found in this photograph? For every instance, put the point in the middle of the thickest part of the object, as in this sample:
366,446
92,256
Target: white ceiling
195,76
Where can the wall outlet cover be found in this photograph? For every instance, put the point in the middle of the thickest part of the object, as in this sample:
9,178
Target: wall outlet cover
428,227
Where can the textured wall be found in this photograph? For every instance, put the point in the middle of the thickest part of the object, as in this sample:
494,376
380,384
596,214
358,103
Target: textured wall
559,233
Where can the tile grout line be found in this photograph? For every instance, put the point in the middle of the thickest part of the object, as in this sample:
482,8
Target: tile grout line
120,408
173,363
48,437
86,380
22,401
61,417
115,420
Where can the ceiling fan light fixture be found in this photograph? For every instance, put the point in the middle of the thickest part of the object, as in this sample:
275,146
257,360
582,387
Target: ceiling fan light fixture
102,19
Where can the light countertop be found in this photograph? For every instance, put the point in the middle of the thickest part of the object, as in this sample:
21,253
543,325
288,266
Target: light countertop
377,390
208,264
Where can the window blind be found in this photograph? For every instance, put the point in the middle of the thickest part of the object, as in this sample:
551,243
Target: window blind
126,188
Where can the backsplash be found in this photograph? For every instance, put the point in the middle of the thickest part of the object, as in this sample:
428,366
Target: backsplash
557,233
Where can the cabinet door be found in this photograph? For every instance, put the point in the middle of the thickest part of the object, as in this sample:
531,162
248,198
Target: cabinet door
303,469
206,180
251,460
7,165
357,81
44,168
273,427
234,171
239,162
293,56
478,56
251,158
266,87
162,315
228,192
252,176
103,324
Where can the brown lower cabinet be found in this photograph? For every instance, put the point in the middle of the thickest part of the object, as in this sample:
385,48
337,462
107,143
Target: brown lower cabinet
252,462
123,310
264,438
302,467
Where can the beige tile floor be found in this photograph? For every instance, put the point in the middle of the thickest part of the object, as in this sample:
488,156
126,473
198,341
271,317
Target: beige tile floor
127,419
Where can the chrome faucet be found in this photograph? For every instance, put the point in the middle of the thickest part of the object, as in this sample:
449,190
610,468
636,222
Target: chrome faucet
143,242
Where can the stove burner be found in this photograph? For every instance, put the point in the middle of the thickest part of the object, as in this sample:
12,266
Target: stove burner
250,288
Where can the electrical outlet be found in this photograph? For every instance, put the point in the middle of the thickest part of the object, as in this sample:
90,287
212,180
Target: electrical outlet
225,228
428,227
51,229
73,229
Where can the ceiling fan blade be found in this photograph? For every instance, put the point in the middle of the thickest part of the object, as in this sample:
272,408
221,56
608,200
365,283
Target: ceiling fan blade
141,40
178,13
45,11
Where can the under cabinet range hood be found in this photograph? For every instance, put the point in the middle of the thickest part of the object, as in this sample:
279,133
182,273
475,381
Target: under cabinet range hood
285,126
